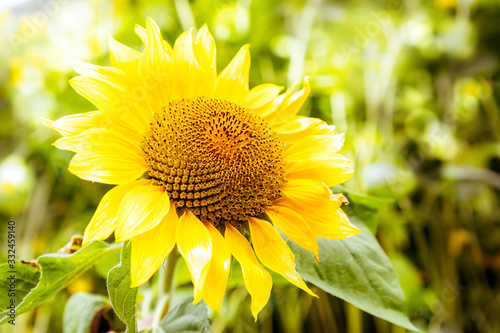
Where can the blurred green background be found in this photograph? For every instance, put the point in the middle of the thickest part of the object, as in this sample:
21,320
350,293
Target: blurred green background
414,84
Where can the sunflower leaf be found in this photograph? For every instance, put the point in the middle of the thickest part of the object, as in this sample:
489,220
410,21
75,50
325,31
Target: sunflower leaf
25,276
185,317
80,310
57,271
123,298
358,271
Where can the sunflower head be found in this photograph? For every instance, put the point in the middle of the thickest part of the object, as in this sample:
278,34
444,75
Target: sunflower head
196,157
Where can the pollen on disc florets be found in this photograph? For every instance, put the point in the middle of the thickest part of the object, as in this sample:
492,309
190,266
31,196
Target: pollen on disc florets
215,158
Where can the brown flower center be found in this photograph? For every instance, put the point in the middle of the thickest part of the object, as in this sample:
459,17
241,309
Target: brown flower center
215,158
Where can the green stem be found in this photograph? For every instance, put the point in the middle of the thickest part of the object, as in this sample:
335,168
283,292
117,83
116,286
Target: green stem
166,286
170,270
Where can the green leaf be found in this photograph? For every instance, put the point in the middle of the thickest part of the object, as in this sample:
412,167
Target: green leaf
366,207
358,271
26,277
104,266
123,298
185,317
80,309
58,270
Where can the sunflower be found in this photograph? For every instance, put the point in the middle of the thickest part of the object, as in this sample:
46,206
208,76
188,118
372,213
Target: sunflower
205,164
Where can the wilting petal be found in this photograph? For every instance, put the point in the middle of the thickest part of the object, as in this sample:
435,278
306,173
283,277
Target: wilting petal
141,210
218,271
150,248
294,226
272,250
77,123
194,242
314,146
257,280
232,82
105,218
331,170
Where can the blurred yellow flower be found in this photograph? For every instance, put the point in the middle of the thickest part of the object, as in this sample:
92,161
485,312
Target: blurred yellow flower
199,158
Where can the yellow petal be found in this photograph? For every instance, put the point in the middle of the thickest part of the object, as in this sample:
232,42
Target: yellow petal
294,226
257,280
150,248
192,79
123,57
143,35
274,253
194,242
314,146
290,103
155,68
331,170
232,82
218,271
301,127
205,51
105,218
109,75
261,96
141,210
76,123
98,138
114,101
104,156
310,193
331,224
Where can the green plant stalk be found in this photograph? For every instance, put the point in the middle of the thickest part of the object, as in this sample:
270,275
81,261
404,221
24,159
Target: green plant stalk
165,287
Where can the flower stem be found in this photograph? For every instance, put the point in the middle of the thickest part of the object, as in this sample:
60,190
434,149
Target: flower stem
168,280
165,286
169,274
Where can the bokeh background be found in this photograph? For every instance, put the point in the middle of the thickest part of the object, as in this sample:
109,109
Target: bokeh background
414,84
